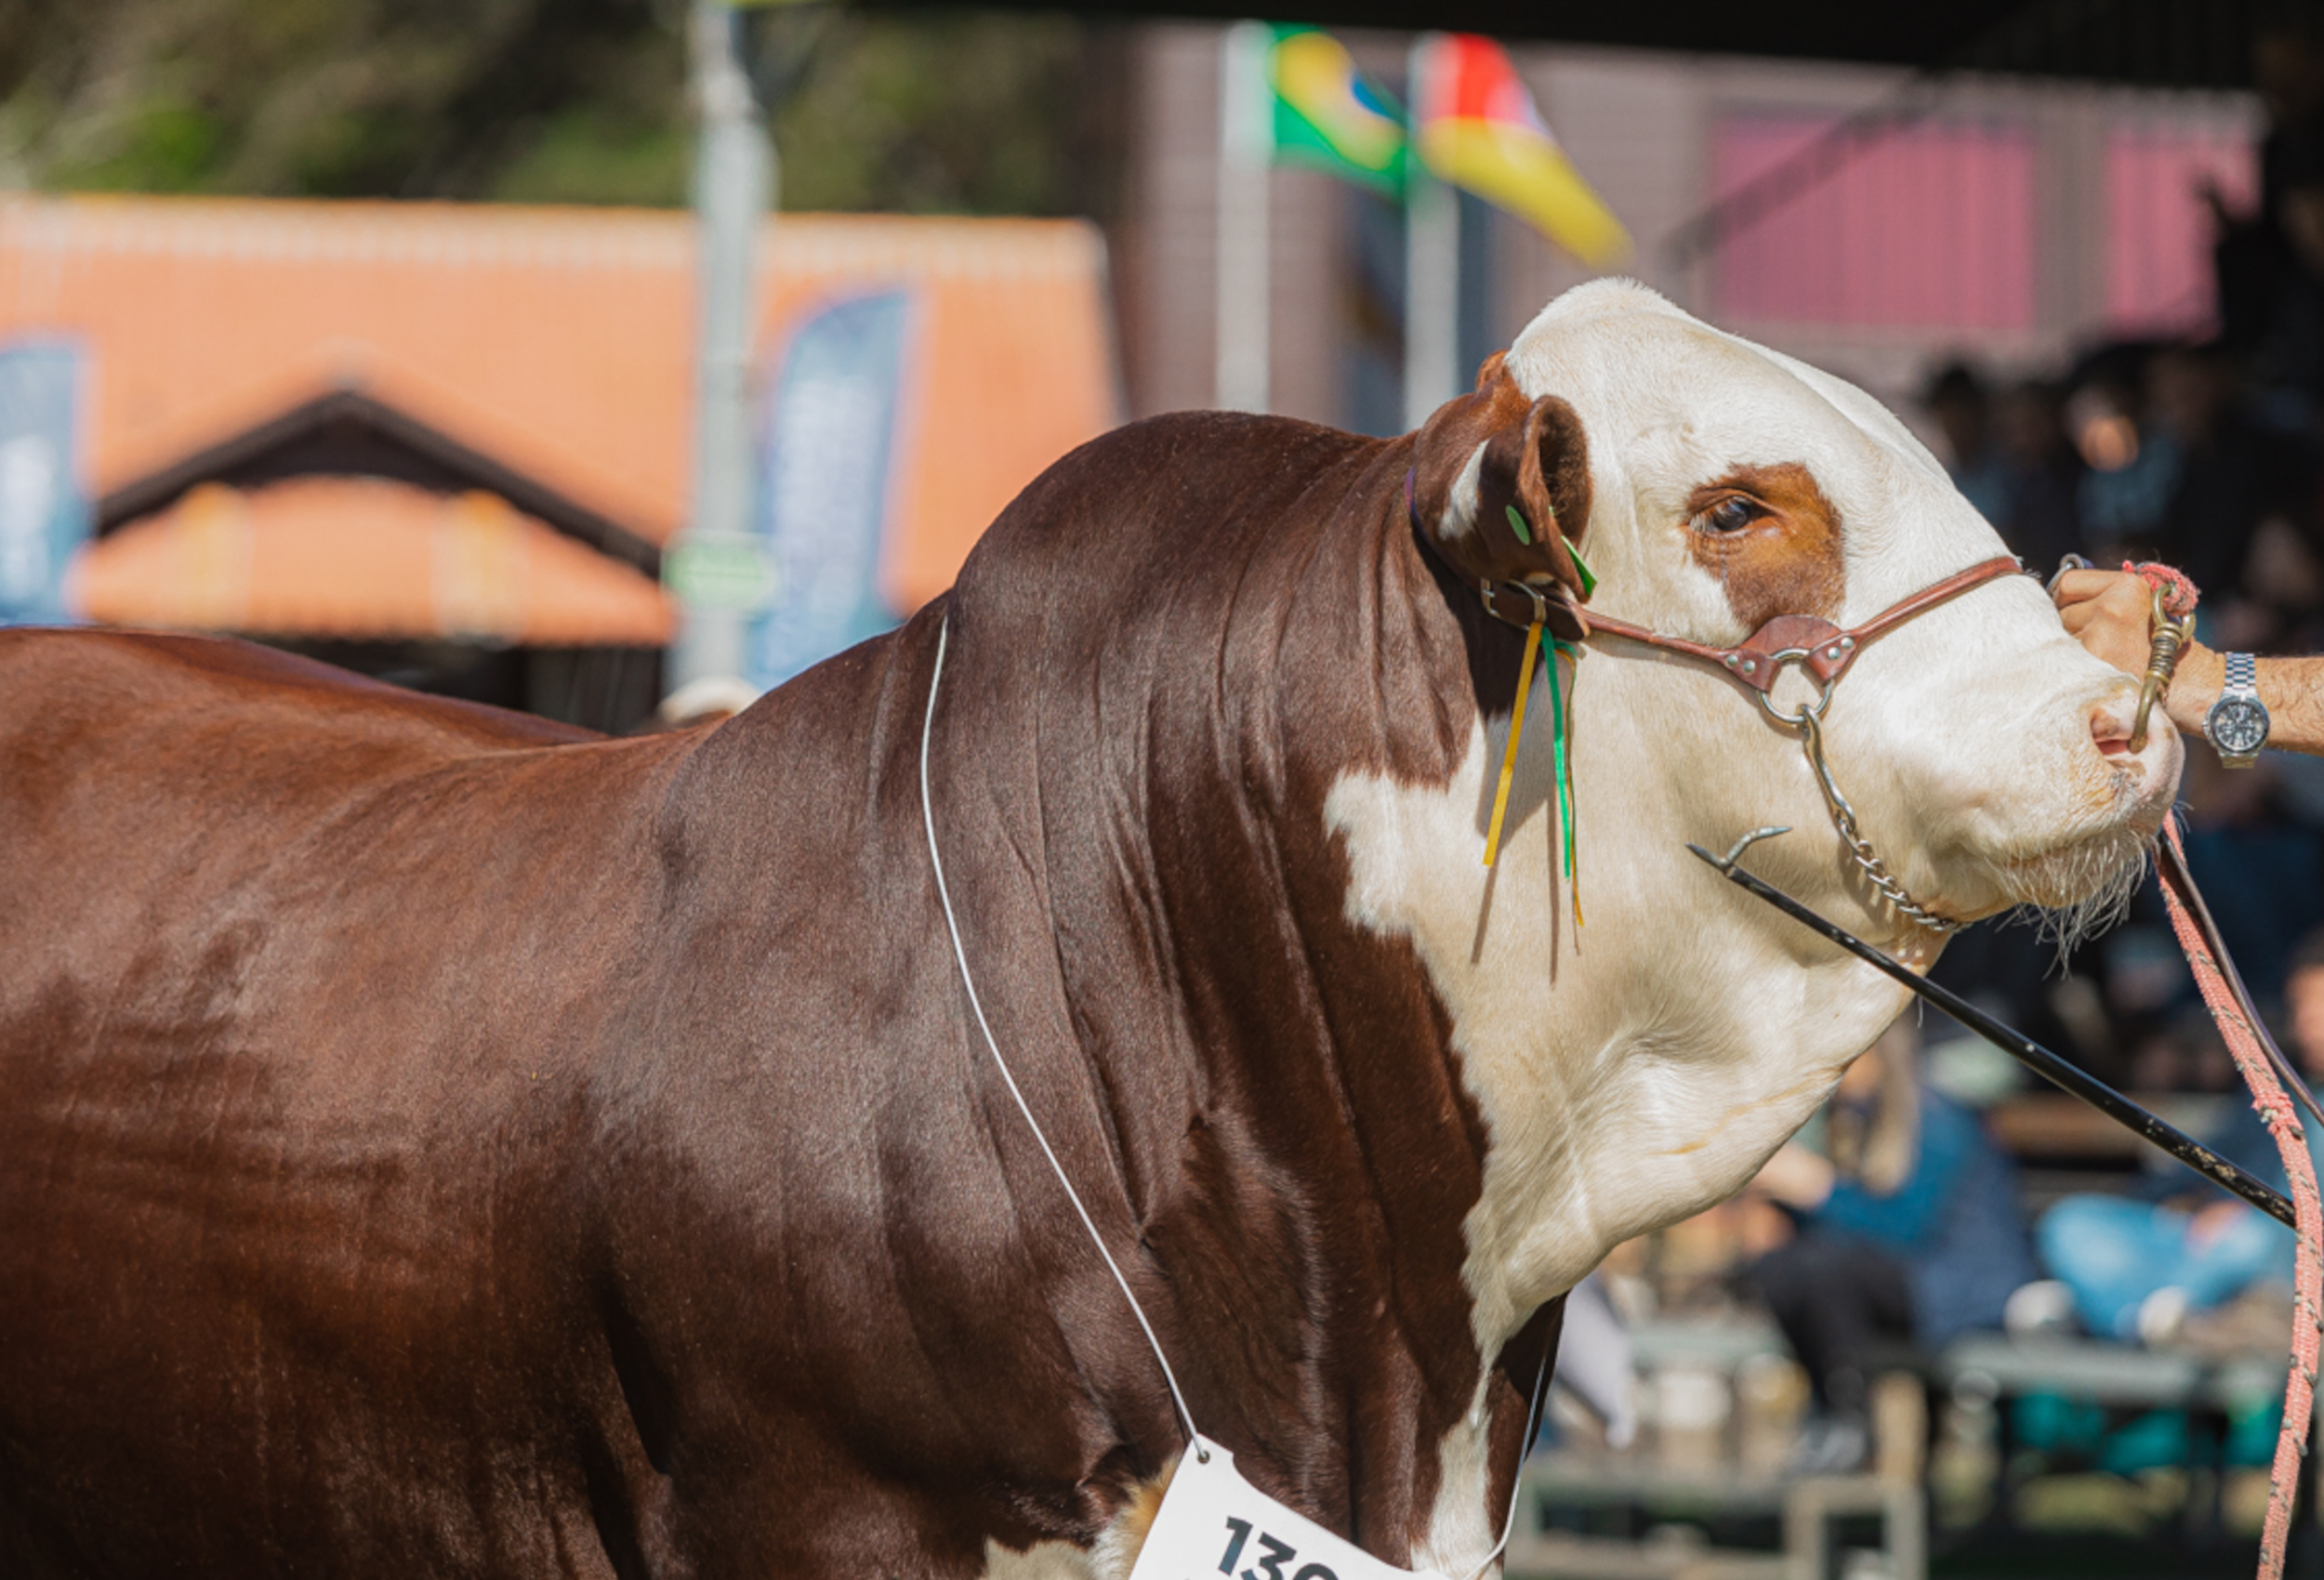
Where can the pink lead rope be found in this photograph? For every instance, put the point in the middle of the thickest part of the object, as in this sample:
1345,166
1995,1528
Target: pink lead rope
2274,1107
2176,598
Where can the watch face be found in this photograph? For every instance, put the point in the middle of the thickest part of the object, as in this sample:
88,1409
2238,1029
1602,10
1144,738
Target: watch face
2239,726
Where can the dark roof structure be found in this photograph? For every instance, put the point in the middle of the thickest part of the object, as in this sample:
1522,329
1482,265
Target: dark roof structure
2155,43
350,433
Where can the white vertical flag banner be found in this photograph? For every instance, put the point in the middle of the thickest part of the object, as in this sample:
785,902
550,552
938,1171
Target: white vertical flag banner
43,517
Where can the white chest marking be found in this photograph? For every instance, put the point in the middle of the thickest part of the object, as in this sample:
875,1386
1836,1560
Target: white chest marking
1624,1085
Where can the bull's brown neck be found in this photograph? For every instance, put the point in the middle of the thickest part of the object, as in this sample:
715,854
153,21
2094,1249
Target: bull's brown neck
1282,1141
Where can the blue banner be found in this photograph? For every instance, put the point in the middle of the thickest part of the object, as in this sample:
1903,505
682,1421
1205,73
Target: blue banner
826,457
42,516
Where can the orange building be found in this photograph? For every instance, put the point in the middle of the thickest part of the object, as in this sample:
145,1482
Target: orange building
446,443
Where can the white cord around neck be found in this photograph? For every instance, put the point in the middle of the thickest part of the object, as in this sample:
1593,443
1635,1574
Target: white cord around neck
967,981
952,926
1517,1484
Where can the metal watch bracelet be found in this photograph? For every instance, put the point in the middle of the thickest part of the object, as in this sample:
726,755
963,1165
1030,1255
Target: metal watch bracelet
2237,724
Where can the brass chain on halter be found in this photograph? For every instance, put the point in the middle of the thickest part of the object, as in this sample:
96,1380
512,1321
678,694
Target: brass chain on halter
1860,851
2169,628
1807,720
1825,653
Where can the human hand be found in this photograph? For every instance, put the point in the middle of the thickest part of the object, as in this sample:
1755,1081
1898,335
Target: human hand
2108,613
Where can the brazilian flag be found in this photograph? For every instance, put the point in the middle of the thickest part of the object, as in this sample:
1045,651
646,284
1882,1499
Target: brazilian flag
1328,116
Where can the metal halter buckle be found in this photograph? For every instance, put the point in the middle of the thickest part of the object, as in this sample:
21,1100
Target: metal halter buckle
1488,591
1798,717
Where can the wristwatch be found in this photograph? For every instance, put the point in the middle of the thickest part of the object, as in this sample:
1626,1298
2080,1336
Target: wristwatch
2237,724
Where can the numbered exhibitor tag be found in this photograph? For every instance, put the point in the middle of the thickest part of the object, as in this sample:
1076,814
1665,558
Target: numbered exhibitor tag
1213,1522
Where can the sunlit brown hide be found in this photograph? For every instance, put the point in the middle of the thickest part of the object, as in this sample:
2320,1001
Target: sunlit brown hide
435,1142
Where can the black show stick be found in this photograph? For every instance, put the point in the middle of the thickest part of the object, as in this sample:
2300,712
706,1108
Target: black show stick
2026,1051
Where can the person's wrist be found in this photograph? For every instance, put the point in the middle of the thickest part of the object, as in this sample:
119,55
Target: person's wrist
2194,687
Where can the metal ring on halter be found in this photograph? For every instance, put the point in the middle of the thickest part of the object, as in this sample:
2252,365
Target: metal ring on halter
1487,591
1798,718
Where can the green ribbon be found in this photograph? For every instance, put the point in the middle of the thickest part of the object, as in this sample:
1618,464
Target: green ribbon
1561,765
1588,582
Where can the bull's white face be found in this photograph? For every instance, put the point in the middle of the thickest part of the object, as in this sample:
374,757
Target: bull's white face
1643,1067
1986,751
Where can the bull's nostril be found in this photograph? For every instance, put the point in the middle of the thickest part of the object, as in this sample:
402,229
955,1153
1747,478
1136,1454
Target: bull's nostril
2110,730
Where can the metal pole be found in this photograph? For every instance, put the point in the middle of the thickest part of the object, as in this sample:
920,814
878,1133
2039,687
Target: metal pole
1432,275
1245,136
716,568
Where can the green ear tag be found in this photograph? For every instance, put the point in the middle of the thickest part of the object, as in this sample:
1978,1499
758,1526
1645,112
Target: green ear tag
1588,582
1517,525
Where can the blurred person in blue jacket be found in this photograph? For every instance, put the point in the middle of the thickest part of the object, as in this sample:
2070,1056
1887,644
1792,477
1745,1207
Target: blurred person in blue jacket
1908,1228
2137,1269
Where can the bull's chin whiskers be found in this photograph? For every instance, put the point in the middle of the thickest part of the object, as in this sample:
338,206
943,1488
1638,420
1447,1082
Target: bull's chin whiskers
2108,872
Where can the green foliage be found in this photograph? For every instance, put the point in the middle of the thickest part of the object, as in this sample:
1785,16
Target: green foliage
593,153
937,112
543,101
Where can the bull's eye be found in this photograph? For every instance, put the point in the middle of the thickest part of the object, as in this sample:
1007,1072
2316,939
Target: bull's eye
1730,515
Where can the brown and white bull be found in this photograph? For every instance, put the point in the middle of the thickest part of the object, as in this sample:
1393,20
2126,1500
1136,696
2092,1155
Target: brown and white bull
435,1142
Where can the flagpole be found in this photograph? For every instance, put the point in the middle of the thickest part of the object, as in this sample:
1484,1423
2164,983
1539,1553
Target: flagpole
734,175
1244,103
1432,269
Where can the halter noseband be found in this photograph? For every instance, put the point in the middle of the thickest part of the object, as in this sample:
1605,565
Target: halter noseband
1822,649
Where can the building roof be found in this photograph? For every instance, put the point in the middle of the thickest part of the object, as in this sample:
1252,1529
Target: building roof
350,432
557,342
359,559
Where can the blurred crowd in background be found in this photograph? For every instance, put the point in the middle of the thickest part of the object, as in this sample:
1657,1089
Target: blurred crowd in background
2208,454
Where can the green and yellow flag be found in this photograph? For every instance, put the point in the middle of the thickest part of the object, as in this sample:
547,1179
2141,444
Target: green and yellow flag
1321,111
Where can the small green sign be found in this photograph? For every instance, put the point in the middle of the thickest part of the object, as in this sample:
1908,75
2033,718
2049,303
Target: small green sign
719,573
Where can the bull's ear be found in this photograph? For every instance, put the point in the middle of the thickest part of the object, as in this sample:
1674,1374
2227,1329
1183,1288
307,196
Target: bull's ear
1502,484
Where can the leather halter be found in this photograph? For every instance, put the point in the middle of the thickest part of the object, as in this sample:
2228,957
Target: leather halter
1824,648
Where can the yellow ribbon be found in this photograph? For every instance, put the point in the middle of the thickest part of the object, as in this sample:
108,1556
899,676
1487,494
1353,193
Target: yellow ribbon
1509,753
1561,767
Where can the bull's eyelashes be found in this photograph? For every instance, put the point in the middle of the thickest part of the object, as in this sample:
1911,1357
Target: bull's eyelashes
1728,515
1772,538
